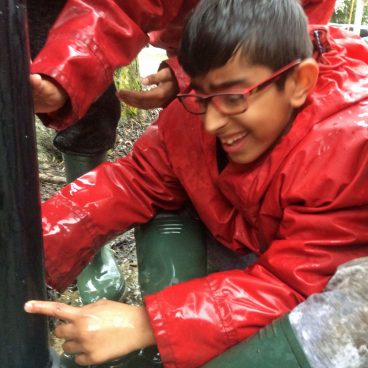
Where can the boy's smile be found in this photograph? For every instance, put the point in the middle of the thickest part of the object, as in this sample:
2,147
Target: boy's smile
247,135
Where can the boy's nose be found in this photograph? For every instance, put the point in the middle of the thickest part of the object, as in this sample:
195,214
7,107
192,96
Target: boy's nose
213,119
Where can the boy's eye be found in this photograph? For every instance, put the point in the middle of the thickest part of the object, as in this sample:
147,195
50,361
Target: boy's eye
233,99
200,101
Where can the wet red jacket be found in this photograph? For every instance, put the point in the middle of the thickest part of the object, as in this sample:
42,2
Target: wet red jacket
303,209
91,39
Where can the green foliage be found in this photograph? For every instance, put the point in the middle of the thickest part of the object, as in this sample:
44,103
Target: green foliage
346,14
128,78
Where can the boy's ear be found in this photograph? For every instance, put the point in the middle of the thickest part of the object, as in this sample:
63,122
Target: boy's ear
302,81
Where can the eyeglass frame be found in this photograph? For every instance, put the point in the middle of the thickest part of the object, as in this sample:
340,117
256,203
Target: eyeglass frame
246,92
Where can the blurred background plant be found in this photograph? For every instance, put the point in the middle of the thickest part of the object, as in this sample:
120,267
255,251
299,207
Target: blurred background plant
353,15
345,11
128,78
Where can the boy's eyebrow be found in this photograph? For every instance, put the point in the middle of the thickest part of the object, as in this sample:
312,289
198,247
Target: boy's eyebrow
221,86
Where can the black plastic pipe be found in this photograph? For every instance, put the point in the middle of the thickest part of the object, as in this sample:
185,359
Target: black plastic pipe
24,337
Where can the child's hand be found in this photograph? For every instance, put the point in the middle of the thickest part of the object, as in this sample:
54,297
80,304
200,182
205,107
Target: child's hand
98,332
160,96
48,96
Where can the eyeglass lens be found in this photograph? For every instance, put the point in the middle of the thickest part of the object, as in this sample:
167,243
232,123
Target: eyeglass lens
226,103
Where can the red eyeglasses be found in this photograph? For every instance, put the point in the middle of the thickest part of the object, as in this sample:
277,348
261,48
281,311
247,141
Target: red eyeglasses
229,103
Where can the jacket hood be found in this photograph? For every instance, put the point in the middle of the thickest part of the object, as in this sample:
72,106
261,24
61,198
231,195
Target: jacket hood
342,57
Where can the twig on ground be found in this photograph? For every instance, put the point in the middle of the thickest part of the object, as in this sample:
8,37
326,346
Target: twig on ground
52,179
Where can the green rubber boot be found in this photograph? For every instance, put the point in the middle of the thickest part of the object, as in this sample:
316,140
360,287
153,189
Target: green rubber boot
102,278
77,165
67,361
171,248
273,346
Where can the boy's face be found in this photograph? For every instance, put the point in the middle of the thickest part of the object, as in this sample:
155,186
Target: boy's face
247,135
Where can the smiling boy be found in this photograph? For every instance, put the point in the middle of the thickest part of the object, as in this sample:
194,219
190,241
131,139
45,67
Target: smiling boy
224,98
271,148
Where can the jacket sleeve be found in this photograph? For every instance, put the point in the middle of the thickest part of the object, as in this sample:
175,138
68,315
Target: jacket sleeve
323,224
319,11
181,77
92,39
114,197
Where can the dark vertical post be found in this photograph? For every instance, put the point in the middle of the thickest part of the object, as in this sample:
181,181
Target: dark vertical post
24,338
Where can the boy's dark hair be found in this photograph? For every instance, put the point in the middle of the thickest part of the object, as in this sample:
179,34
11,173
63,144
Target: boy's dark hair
268,32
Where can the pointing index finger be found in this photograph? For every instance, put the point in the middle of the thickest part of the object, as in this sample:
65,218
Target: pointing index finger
52,309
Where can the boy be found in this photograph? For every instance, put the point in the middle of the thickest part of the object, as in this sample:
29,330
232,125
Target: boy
272,156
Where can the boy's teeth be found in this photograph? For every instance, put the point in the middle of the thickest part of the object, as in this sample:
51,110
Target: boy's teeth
230,142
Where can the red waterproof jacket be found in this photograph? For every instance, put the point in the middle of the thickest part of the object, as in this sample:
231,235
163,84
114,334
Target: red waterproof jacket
303,208
91,39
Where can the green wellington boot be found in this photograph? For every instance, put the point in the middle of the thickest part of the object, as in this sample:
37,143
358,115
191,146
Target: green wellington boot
171,248
102,278
274,346
77,165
